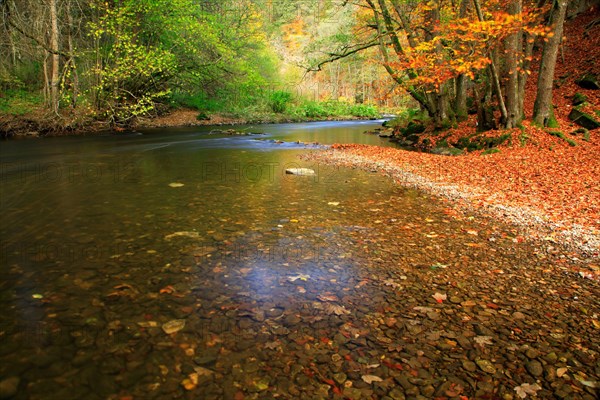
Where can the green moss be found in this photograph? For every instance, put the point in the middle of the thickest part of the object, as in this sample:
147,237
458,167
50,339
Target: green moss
552,122
493,150
479,142
578,99
583,132
561,135
523,138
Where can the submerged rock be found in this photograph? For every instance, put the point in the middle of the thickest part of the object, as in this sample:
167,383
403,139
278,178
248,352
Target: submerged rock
300,171
9,387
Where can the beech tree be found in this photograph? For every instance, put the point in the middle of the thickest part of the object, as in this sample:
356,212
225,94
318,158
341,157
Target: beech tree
442,51
542,109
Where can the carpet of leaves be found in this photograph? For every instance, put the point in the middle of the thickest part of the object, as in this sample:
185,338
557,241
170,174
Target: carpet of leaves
533,170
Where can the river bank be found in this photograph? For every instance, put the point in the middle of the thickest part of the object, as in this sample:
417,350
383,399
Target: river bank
40,124
548,191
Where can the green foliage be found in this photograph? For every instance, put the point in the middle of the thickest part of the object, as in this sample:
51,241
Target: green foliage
364,111
407,116
310,109
279,101
181,52
334,108
19,101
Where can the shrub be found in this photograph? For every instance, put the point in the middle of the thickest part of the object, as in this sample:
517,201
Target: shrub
279,101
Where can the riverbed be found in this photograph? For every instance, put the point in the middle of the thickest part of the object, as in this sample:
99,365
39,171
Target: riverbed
185,263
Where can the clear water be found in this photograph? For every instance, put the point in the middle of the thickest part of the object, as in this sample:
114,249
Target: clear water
106,239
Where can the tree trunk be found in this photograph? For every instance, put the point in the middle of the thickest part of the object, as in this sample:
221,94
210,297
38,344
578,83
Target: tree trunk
460,101
542,109
72,66
55,57
425,101
514,113
527,56
494,72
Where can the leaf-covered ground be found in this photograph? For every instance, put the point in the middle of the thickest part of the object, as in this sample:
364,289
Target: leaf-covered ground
537,180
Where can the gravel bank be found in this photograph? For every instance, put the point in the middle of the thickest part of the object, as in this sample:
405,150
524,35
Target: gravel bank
532,222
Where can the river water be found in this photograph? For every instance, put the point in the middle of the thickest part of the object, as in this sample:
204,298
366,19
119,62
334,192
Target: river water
182,264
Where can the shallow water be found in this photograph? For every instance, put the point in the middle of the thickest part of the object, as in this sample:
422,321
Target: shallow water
107,239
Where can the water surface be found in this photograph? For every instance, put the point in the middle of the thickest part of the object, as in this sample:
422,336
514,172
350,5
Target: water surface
183,264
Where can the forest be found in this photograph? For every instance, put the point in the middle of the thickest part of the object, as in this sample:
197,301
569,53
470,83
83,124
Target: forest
67,65
314,199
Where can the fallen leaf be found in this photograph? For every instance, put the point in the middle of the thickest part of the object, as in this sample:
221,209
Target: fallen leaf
335,309
189,234
302,277
423,309
323,297
439,297
190,382
201,371
392,283
454,390
483,340
167,290
272,345
371,378
525,389
148,324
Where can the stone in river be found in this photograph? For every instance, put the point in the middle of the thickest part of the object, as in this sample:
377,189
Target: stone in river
173,326
396,394
486,366
9,387
469,366
340,378
300,171
535,368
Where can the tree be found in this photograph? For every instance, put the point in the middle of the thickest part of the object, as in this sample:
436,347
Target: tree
436,49
542,109
54,56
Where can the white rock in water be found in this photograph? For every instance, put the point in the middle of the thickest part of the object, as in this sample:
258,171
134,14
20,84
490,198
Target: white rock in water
300,171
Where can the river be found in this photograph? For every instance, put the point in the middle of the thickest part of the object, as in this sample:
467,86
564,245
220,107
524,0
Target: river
178,263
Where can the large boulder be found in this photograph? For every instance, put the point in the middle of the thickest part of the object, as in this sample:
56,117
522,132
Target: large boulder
588,81
583,119
579,99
